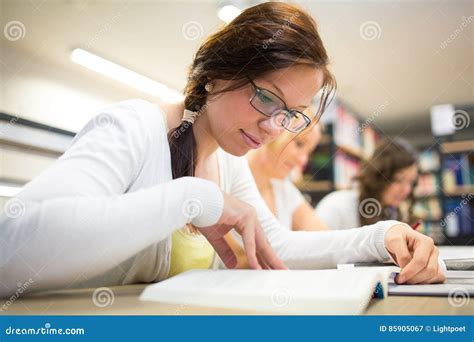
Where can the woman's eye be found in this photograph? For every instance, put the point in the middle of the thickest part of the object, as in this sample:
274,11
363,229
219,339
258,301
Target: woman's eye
264,98
299,144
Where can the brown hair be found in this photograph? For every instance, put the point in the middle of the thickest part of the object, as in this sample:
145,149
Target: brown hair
269,36
377,173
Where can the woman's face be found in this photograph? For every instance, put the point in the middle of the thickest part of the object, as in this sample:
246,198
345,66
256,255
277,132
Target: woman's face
401,186
292,152
237,127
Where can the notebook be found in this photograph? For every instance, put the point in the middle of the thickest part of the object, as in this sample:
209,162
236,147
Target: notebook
458,284
316,292
457,258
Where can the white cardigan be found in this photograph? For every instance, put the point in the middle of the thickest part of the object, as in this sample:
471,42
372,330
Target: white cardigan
287,199
105,210
340,209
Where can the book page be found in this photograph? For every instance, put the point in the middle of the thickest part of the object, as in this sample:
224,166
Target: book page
346,291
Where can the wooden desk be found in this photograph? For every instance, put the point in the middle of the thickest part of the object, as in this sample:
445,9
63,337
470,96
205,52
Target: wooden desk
126,302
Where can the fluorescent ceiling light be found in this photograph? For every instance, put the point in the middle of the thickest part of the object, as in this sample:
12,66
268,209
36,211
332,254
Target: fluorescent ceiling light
228,13
124,75
9,191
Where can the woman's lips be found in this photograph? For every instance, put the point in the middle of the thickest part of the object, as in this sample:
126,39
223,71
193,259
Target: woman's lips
249,140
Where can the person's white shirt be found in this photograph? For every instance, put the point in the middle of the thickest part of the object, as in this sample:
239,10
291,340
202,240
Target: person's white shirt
105,211
287,199
340,209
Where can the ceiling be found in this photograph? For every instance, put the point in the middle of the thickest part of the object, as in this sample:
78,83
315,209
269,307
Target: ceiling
393,59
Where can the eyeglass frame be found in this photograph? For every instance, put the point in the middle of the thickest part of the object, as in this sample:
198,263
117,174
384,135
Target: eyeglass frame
285,108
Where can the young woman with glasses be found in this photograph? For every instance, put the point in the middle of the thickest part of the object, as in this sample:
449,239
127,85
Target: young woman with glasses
146,192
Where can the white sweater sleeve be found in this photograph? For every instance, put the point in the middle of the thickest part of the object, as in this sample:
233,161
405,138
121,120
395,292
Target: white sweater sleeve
79,209
316,249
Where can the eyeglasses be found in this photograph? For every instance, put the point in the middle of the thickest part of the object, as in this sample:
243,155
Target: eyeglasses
271,105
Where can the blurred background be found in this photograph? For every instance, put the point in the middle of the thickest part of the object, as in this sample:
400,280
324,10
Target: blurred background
404,69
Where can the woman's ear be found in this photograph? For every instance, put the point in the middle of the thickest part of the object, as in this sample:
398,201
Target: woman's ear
209,86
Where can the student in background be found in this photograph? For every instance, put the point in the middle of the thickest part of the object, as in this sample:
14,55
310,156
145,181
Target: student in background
385,181
271,166
137,174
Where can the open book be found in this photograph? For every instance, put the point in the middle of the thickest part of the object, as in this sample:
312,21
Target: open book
316,292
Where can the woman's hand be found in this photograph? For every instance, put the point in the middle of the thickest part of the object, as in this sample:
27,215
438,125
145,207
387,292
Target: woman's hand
416,255
242,217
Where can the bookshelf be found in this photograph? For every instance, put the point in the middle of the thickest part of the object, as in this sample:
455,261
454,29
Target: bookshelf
427,206
457,189
449,170
444,195
346,142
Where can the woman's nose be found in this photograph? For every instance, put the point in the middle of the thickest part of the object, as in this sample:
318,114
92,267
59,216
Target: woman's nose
302,160
405,190
272,127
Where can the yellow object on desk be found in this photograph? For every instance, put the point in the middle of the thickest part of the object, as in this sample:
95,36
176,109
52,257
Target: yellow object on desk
189,250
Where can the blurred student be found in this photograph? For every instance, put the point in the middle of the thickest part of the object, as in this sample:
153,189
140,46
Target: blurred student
271,166
385,181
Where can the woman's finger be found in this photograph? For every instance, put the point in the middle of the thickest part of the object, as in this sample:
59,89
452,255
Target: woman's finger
400,252
438,278
430,271
421,256
248,238
239,251
261,261
224,251
266,251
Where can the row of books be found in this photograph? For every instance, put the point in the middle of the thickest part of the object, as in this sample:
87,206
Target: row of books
428,209
348,131
429,161
428,185
369,141
453,210
459,214
346,168
456,171
433,230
